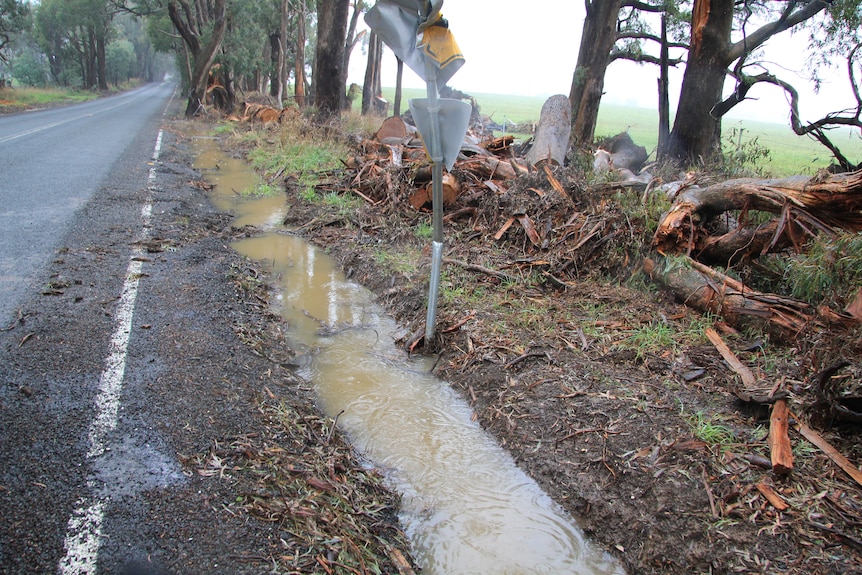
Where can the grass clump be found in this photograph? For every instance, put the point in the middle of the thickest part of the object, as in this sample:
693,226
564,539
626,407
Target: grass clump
830,271
711,430
261,190
650,339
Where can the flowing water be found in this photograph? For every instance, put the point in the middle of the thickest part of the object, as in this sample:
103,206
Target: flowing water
466,507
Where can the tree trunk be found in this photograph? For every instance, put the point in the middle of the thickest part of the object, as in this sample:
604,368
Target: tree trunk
90,60
663,94
372,73
398,76
552,133
188,23
696,133
597,39
101,62
282,54
329,57
350,41
710,291
299,72
805,206
274,64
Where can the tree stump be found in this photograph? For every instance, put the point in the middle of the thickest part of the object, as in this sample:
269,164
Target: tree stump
552,134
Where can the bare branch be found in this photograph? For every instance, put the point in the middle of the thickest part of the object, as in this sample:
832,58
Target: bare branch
643,6
645,36
816,130
642,58
787,20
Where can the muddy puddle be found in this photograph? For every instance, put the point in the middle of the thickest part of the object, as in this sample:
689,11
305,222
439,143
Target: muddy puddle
466,507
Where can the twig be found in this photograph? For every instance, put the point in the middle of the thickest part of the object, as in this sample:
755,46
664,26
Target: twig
524,356
482,270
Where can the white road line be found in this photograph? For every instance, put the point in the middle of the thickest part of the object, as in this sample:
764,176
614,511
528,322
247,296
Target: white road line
84,529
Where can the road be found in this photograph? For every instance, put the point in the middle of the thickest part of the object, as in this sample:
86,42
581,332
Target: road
119,364
52,162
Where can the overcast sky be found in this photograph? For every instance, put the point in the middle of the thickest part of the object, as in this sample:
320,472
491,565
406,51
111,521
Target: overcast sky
530,48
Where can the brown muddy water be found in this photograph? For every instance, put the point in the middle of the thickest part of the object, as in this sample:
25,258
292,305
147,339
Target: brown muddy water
466,507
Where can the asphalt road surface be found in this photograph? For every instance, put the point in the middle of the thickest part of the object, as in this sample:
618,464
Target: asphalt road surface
51,164
119,361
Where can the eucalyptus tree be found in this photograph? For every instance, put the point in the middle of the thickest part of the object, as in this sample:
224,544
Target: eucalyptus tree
612,30
243,57
80,30
327,80
713,54
202,26
13,19
835,47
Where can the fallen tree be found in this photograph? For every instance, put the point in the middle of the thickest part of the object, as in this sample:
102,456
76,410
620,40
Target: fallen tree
709,291
803,206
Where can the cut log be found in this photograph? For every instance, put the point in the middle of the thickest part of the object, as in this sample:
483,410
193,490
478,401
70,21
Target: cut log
451,191
492,168
820,204
552,133
392,130
780,451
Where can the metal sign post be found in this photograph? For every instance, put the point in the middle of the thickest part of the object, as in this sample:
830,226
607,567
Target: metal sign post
416,32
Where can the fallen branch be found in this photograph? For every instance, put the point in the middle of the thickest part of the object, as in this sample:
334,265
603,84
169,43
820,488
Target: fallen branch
827,448
809,205
482,270
710,291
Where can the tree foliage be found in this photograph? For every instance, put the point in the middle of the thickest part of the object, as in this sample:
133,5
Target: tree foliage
13,19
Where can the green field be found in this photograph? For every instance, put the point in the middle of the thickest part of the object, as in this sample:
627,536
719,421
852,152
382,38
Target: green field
788,153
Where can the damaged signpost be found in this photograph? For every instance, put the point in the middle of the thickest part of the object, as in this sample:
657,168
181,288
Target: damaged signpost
416,31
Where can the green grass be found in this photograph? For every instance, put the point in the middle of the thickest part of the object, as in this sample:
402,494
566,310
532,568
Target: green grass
711,430
34,97
788,153
261,190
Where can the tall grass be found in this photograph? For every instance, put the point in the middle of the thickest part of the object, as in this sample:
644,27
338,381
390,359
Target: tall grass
788,153
23,98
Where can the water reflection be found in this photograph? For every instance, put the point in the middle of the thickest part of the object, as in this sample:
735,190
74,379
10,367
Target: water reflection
467,508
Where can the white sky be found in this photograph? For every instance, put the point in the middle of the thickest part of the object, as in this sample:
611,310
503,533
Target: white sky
530,48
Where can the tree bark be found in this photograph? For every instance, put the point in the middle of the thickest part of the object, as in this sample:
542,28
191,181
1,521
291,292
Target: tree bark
552,133
399,74
299,73
805,205
372,73
351,39
663,93
329,57
189,23
696,134
707,290
597,39
274,68
282,54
